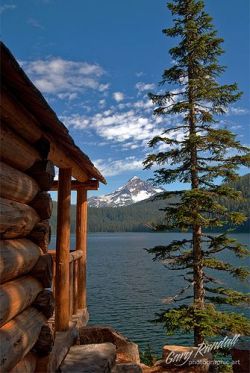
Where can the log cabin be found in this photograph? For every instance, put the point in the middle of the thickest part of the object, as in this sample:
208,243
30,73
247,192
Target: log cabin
43,292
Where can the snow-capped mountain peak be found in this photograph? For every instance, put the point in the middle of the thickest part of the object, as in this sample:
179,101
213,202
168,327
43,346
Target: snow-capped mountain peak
134,191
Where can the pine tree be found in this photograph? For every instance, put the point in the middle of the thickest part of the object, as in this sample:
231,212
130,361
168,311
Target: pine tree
207,157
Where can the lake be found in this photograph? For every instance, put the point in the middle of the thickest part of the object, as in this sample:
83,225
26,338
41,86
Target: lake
125,287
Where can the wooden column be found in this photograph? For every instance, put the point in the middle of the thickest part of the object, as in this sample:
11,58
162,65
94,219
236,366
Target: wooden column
62,250
81,244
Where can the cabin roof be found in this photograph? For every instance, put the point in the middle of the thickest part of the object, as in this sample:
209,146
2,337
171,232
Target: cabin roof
16,81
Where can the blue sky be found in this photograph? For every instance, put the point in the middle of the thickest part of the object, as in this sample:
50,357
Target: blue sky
95,61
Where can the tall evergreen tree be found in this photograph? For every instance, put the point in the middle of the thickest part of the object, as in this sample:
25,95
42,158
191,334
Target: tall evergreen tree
207,157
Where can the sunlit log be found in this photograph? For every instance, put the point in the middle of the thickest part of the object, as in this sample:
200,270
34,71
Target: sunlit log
17,257
16,185
17,295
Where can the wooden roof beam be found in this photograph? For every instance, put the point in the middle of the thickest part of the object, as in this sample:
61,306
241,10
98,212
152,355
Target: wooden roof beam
63,151
75,185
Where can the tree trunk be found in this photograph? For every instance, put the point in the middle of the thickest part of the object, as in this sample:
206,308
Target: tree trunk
198,274
16,185
18,336
17,258
17,295
16,219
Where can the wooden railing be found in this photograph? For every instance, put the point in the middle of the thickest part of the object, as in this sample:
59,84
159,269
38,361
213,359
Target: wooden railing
74,278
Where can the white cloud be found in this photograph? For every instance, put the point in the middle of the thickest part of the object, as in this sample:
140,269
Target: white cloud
139,74
102,103
128,125
5,7
67,96
118,96
237,111
103,87
34,23
144,86
75,120
111,167
64,77
130,128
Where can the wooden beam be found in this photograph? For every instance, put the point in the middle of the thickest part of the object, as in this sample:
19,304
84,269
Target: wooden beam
81,244
18,336
16,219
75,285
43,205
15,151
17,295
45,303
75,255
29,128
17,258
43,172
41,234
75,185
62,250
16,185
43,270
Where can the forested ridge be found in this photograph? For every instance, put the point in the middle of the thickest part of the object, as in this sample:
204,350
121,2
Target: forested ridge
142,215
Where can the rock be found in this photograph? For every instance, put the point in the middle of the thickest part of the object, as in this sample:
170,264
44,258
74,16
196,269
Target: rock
185,359
241,357
127,368
91,358
126,350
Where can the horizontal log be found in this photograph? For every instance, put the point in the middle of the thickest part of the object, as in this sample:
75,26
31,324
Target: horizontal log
75,255
17,295
16,185
75,185
26,125
26,365
43,172
43,205
15,151
43,270
17,257
41,235
19,118
16,219
18,336
45,303
45,341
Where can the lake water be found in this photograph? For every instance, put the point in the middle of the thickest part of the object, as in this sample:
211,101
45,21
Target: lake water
125,287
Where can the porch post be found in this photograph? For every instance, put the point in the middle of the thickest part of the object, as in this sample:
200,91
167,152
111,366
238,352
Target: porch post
62,250
81,244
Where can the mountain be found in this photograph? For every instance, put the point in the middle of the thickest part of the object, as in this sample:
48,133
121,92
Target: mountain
135,190
141,216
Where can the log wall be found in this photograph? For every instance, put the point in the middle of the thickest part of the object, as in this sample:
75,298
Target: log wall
25,266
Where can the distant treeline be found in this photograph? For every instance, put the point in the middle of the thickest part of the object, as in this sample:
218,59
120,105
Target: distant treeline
141,216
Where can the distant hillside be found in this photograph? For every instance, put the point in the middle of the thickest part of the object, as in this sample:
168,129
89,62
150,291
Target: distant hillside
139,216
